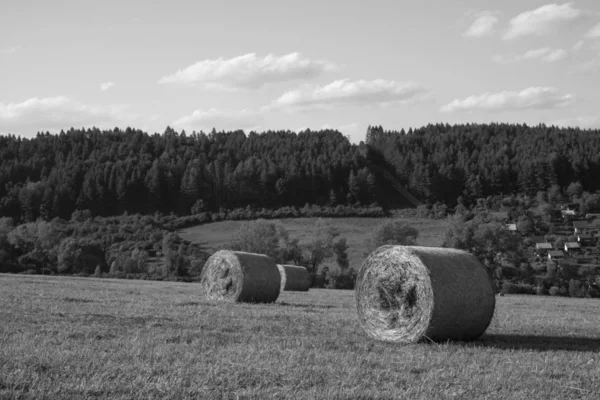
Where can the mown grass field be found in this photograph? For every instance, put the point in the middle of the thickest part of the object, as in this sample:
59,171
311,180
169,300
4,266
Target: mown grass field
75,338
356,230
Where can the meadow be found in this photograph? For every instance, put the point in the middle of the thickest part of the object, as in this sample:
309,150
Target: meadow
75,338
357,231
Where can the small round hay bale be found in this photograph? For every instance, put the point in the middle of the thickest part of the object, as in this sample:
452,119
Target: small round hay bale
294,278
237,276
408,293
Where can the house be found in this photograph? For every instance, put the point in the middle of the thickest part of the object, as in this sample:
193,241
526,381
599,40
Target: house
511,227
542,249
572,246
594,225
538,239
556,255
580,227
585,239
568,214
570,206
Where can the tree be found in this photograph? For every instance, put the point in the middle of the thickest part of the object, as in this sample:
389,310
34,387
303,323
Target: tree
262,237
489,241
574,190
321,246
340,248
114,269
525,225
393,232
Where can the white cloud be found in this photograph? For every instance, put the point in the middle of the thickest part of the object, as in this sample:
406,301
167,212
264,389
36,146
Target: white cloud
578,46
555,55
542,20
482,26
544,54
584,122
106,85
220,120
9,50
248,71
54,114
530,98
594,32
588,66
346,93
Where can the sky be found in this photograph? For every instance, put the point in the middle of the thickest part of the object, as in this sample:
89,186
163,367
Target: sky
262,64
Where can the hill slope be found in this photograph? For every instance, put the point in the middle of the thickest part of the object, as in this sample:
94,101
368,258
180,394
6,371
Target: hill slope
356,230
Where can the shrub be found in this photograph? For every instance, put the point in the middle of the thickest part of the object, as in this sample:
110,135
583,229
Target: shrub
541,290
594,293
576,289
394,232
554,291
518,288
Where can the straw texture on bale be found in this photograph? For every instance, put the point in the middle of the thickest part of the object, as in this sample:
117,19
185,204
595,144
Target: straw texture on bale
294,278
241,277
408,293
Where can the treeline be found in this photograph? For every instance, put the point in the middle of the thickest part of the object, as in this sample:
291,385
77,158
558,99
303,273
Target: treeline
117,171
127,246
444,162
112,172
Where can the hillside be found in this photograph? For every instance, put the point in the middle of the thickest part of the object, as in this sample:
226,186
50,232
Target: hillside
117,171
356,230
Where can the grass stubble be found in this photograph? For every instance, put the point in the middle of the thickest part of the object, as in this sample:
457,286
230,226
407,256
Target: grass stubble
74,338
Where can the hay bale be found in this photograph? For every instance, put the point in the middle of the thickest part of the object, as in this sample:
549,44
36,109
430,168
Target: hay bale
241,277
407,293
294,278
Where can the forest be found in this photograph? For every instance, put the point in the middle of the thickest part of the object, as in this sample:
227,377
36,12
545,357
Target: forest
112,172
109,203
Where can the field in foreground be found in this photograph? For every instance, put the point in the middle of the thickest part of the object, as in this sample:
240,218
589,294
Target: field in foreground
74,338
356,230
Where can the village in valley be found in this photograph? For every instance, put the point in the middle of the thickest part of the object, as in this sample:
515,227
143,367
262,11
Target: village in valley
562,247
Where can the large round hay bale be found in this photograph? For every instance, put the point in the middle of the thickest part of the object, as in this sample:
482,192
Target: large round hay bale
294,278
407,293
242,277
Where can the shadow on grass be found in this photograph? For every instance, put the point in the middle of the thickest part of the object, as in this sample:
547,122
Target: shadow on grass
325,306
539,343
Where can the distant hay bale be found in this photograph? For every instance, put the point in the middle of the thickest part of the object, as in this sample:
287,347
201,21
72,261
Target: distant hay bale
294,278
408,293
241,277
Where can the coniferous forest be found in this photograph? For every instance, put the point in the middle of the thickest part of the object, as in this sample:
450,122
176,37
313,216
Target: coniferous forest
117,171
88,201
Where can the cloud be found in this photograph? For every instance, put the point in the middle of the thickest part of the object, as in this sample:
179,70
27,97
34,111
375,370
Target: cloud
55,113
346,93
482,26
594,32
106,85
584,122
248,71
588,66
578,46
542,20
530,98
9,50
220,120
544,54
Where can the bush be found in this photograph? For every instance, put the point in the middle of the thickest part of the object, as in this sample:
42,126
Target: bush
554,291
518,288
393,232
541,291
576,289
594,293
